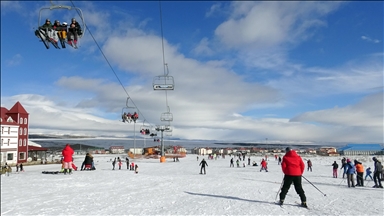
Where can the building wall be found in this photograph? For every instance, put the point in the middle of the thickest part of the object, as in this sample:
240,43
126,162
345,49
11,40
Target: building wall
23,121
351,152
9,142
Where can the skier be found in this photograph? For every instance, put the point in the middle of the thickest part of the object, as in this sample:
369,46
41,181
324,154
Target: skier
293,168
136,169
359,173
203,163
335,167
120,163
113,164
368,173
309,163
263,165
344,166
278,163
350,171
377,173
127,161
67,158
231,164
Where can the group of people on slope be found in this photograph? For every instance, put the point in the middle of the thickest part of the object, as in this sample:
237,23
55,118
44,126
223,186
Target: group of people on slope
60,31
128,117
349,169
131,166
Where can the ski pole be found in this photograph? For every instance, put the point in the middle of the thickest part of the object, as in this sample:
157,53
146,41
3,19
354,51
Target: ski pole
314,186
341,181
279,189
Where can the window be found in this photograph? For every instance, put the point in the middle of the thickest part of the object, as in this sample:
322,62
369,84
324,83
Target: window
21,131
25,142
10,156
25,120
22,155
9,130
2,142
21,121
2,130
20,142
9,141
25,131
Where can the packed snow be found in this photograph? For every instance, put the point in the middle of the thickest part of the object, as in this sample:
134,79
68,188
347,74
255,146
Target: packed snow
177,188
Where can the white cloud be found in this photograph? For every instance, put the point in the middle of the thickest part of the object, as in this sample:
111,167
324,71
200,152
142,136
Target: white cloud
213,10
268,24
15,60
370,39
203,48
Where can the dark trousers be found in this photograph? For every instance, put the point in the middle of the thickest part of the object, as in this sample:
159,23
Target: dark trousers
376,179
296,180
359,178
350,180
201,170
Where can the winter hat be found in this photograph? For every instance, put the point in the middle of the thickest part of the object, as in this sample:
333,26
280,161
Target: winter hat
287,149
348,160
374,158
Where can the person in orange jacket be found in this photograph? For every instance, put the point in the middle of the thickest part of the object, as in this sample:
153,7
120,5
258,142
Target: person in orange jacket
360,172
293,168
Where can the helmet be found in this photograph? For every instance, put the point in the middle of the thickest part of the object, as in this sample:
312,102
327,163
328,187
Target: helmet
73,19
64,23
47,20
287,149
374,158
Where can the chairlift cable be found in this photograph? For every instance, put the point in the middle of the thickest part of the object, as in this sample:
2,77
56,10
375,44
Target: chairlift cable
106,59
165,66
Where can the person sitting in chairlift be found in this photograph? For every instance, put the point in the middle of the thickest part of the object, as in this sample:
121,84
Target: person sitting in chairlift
124,117
135,117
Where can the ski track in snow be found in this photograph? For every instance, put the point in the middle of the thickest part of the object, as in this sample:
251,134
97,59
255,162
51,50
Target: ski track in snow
176,188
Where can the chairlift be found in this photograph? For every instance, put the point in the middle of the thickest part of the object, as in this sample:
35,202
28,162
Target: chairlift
145,128
128,110
163,83
44,37
166,116
168,128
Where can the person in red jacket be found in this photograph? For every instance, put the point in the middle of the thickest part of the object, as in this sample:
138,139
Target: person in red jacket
293,168
67,158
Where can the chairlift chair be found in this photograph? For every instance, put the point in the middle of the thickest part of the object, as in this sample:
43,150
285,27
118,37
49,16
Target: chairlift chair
145,128
128,109
167,116
44,38
163,83
168,128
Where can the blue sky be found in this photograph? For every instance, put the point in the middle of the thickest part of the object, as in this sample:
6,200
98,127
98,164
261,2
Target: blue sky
244,71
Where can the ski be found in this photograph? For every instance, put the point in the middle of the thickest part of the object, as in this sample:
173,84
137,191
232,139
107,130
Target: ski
299,205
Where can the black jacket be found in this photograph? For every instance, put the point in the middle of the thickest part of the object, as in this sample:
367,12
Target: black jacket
88,160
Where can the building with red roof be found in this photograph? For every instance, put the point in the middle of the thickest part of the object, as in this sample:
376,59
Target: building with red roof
14,134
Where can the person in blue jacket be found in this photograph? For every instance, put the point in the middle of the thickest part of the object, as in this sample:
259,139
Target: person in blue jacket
351,170
368,173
